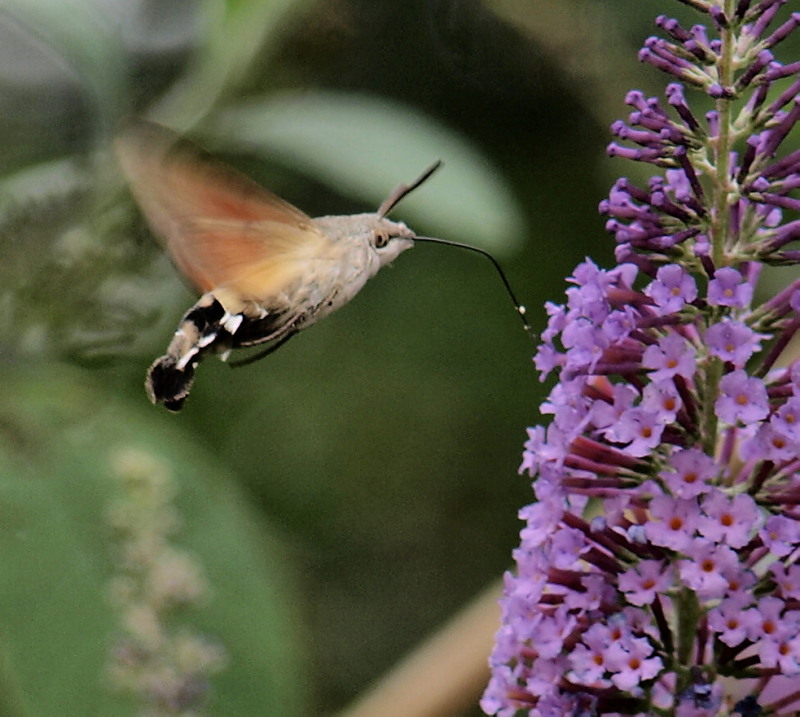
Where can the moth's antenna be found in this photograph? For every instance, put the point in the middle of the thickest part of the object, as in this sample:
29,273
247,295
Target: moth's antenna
520,309
405,189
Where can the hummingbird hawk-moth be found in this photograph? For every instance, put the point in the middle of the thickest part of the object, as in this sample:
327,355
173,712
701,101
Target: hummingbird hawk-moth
263,268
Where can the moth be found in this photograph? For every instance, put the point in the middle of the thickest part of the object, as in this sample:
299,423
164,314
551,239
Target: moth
263,268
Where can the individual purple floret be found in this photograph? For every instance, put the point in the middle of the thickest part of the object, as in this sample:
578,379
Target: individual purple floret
658,572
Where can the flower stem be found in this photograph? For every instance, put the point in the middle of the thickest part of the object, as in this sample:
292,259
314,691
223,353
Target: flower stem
688,615
722,147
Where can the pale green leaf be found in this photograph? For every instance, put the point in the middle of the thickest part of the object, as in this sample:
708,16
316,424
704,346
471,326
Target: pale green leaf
365,146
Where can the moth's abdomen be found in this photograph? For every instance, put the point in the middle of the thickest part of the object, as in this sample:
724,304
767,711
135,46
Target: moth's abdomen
208,328
168,384
169,378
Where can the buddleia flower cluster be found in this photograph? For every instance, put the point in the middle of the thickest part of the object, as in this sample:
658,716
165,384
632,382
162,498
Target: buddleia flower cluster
657,572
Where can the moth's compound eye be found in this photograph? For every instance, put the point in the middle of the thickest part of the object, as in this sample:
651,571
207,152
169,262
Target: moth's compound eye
381,240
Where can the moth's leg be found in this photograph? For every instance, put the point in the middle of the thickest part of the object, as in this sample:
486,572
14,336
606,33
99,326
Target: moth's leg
266,352
275,329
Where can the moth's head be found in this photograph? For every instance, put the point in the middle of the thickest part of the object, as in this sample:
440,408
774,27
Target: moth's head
384,238
390,239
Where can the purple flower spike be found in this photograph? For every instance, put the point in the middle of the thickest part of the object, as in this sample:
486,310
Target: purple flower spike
658,571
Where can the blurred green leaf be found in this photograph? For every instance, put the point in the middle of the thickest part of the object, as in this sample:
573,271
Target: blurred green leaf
80,32
366,146
236,32
57,623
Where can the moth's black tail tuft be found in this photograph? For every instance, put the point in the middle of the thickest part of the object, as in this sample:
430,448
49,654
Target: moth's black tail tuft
168,384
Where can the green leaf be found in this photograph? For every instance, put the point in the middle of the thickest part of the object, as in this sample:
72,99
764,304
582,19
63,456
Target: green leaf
236,32
366,146
68,38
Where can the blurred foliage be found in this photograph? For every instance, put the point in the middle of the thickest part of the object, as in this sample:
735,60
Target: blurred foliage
60,436
372,460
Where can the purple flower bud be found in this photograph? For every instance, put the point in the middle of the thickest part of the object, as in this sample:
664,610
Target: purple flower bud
784,98
660,56
673,27
712,119
778,71
768,9
717,91
763,59
678,101
742,7
718,16
783,31
700,35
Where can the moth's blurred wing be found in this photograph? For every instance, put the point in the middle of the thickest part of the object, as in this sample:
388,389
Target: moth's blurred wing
246,261
220,227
